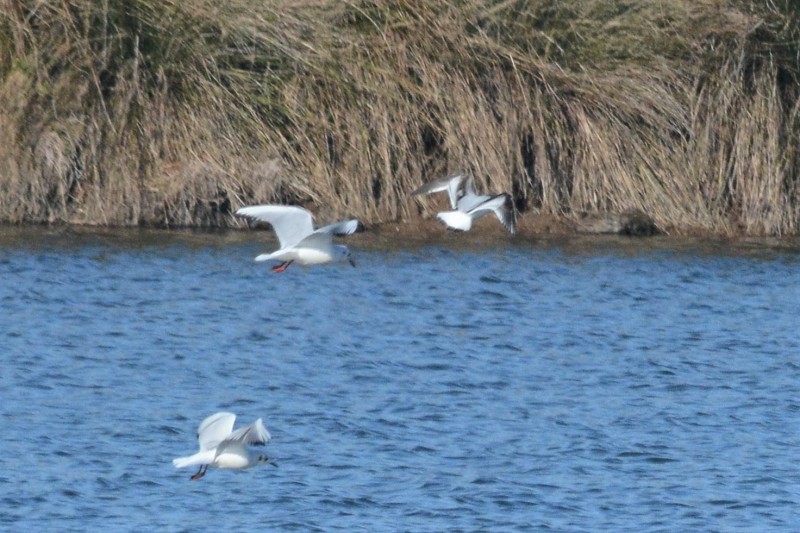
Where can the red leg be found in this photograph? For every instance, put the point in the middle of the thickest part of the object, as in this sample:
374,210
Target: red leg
283,266
200,473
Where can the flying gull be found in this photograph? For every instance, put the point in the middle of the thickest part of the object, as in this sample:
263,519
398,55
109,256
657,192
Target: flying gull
468,206
221,447
299,241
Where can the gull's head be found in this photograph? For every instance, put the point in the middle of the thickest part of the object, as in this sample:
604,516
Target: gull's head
343,254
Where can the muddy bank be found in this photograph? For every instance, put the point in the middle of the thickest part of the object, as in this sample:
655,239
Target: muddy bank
532,227
532,230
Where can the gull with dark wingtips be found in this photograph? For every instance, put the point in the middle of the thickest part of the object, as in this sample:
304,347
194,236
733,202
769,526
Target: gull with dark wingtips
299,241
469,206
221,447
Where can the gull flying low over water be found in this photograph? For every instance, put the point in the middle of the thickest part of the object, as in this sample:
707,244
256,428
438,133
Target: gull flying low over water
221,447
467,205
299,240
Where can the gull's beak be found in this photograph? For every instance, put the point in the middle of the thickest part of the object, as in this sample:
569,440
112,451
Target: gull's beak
352,263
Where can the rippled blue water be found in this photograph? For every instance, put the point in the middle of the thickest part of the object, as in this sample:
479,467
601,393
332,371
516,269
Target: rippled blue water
515,386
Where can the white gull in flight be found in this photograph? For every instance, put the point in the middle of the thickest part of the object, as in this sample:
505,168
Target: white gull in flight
467,205
299,241
221,447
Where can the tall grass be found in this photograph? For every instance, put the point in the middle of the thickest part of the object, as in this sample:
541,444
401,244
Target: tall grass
176,112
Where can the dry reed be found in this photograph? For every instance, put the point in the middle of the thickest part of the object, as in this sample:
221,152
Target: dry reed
175,113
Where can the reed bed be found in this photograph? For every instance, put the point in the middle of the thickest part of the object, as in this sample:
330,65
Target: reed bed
175,113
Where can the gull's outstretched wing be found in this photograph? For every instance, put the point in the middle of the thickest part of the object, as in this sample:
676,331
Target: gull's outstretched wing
450,184
470,200
319,241
347,227
215,429
469,186
255,434
502,206
291,223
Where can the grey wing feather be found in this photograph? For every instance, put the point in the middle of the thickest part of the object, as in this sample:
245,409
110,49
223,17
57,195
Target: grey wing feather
469,199
451,184
318,240
503,208
255,434
469,186
346,227
291,223
215,429
470,202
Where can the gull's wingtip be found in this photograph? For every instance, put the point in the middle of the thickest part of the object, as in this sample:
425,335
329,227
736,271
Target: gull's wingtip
249,210
438,185
345,227
355,226
509,218
263,434
422,189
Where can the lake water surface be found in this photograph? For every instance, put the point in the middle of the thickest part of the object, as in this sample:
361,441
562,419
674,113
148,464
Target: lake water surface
446,385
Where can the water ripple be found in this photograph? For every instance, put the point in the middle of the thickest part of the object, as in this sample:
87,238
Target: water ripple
514,388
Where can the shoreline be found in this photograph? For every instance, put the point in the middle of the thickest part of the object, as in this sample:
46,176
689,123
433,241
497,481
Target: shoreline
532,229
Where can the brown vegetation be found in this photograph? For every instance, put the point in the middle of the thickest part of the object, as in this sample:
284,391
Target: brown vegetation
176,112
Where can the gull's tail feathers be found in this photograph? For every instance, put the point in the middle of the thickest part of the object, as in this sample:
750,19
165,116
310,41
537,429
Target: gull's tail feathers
201,458
277,255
